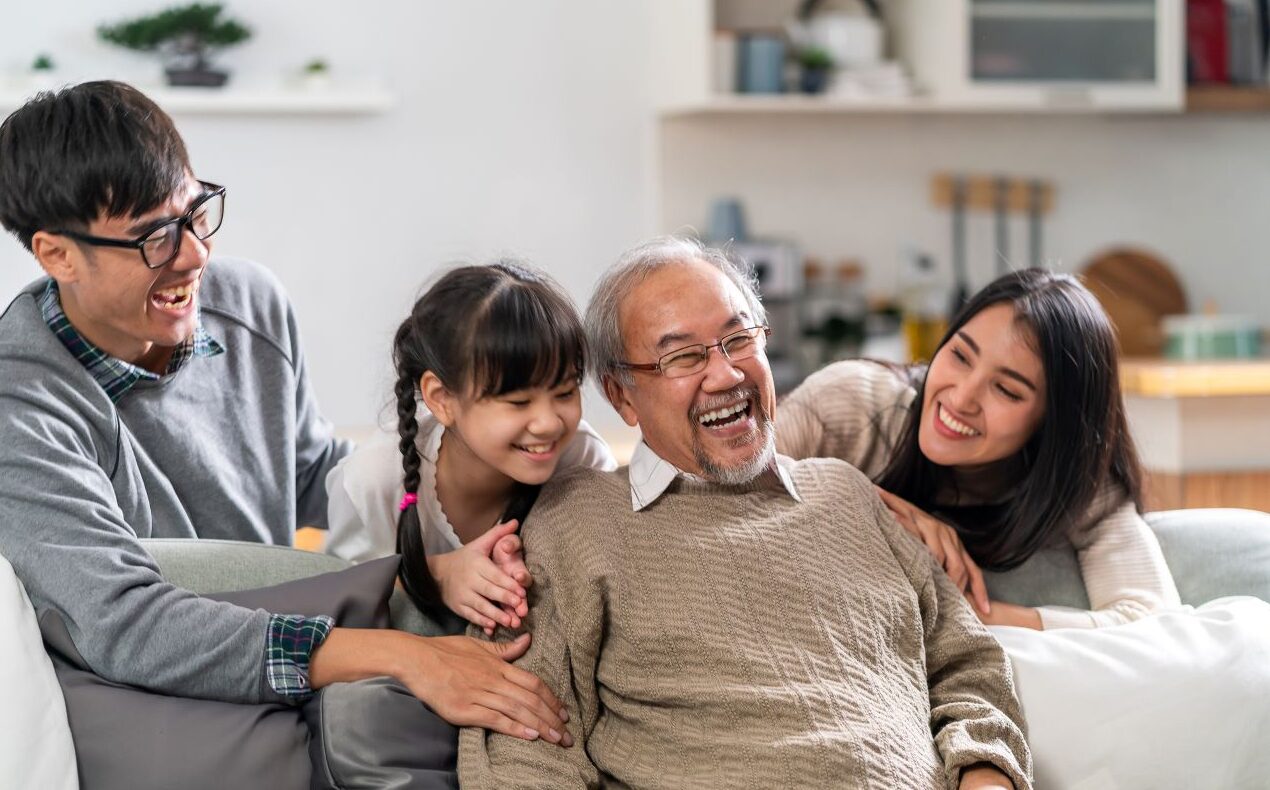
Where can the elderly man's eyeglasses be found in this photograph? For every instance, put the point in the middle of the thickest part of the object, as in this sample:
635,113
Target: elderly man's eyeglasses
692,359
160,244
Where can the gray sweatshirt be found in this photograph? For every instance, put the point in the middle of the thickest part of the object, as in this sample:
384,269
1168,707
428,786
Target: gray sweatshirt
230,446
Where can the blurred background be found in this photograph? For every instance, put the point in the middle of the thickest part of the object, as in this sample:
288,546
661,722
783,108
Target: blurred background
873,160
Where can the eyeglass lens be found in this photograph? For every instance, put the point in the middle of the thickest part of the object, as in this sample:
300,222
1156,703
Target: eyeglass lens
163,243
691,359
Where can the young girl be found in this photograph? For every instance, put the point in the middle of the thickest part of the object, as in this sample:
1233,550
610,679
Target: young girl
1015,434
488,366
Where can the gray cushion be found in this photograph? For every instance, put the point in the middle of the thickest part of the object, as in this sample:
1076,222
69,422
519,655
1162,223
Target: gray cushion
206,566
1211,553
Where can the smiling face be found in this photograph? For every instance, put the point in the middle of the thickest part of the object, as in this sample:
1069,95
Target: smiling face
717,422
985,392
132,312
520,435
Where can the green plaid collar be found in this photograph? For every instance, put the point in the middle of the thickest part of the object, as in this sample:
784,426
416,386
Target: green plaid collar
114,375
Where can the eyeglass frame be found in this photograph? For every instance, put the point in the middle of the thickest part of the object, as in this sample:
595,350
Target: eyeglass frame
138,244
656,367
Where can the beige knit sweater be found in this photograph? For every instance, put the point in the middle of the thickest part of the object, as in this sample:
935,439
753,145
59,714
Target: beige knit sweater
855,410
735,637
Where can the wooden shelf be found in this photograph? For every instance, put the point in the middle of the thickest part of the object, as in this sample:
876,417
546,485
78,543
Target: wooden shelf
250,100
1227,99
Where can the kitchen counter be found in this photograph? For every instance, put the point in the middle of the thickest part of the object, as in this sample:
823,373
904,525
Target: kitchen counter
1169,378
1202,430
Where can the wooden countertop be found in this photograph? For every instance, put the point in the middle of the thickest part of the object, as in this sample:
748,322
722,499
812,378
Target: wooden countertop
1167,378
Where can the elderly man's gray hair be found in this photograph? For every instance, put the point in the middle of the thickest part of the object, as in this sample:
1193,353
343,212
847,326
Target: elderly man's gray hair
603,325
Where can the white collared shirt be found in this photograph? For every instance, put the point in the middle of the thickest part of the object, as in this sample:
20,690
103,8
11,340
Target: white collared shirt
651,476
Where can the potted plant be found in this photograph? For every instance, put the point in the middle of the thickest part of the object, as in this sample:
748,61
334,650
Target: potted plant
815,64
41,74
316,74
185,36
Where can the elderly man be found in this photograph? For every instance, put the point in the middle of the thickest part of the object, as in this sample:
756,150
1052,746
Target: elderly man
719,616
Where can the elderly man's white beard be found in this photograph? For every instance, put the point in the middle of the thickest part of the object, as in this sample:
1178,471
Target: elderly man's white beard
746,472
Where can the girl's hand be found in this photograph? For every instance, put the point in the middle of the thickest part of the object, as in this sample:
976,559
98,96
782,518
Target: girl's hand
509,556
474,588
943,542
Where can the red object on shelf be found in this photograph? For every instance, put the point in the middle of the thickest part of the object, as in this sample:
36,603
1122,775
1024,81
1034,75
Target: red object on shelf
1207,51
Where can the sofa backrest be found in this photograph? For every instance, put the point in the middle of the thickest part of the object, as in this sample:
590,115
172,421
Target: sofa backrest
1212,553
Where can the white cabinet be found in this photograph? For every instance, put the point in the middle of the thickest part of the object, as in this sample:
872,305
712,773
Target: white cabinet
964,56
1100,55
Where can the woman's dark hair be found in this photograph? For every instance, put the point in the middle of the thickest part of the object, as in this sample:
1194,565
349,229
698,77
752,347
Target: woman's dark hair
68,156
483,331
1081,443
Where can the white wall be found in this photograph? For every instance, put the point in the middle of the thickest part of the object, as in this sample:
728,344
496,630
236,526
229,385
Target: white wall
520,128
1192,189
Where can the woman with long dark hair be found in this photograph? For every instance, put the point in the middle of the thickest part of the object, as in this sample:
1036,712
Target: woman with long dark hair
1012,439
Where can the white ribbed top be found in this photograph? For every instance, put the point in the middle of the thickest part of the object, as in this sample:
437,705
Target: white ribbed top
855,410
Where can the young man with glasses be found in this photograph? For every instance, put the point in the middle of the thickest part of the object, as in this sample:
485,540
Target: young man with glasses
721,616
146,391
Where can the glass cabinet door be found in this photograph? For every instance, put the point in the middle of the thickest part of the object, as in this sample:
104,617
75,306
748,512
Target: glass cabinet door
1063,41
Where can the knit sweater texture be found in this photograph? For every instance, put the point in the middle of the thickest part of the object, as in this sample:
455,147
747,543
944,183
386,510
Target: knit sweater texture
230,446
856,411
733,637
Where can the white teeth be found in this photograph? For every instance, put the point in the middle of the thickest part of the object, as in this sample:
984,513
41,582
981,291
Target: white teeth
955,424
719,414
537,449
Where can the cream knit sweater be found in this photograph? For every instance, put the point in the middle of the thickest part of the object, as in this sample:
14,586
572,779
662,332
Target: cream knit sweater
734,637
855,410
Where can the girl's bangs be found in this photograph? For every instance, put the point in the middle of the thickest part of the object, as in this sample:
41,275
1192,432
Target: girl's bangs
527,338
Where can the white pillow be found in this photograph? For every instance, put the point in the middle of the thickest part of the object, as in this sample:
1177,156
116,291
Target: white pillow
35,739
1181,699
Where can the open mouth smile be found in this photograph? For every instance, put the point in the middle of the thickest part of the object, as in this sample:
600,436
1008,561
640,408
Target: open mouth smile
538,451
953,424
174,299
727,415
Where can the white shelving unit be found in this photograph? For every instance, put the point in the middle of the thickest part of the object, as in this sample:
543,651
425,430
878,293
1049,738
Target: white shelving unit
248,100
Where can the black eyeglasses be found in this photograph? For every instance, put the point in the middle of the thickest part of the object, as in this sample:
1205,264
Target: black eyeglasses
685,361
160,244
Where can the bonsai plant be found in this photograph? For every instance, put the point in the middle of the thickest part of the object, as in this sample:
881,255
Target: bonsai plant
185,36
814,64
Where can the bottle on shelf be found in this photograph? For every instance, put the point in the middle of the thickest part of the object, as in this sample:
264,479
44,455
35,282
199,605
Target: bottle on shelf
923,299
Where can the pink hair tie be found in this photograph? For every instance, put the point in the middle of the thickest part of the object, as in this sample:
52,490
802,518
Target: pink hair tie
407,501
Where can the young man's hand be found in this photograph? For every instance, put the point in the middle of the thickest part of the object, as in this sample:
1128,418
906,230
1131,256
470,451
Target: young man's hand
467,682
984,777
475,588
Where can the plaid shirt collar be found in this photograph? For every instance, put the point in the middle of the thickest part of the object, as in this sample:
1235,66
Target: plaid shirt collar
114,375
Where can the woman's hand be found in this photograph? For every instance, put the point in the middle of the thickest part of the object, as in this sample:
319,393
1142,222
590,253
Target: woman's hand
475,588
943,542
1011,614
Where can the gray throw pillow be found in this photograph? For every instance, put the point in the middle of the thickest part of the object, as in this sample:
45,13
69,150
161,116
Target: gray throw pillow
126,737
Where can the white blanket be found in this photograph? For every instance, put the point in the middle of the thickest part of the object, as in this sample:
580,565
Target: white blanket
1181,699
35,740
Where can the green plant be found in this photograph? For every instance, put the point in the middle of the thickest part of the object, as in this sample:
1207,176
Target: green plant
814,58
42,62
187,32
316,66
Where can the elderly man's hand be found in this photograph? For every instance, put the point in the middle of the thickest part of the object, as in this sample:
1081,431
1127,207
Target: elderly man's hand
984,777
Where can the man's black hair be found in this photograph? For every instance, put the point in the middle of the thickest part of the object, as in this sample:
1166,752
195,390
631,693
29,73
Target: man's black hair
72,155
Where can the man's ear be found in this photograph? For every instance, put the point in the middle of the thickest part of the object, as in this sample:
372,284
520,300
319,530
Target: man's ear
619,397
59,256
440,401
